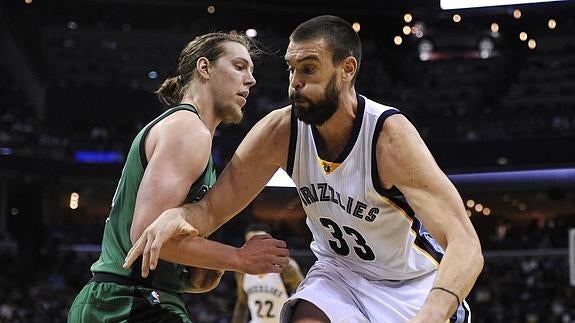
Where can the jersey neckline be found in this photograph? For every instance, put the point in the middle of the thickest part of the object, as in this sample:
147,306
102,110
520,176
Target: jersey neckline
354,132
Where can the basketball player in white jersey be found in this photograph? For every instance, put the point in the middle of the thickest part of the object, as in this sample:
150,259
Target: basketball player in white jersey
369,187
264,295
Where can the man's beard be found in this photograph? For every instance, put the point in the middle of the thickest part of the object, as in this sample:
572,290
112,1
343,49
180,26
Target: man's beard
319,112
229,114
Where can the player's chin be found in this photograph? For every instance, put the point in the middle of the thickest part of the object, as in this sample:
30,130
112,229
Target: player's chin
301,106
230,114
233,118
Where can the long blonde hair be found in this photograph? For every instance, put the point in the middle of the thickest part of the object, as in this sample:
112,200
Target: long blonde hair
209,46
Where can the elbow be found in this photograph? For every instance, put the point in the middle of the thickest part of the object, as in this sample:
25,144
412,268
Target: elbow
477,255
480,261
468,247
478,265
198,215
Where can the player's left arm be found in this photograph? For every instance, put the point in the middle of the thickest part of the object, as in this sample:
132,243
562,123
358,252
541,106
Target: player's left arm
291,276
241,308
404,161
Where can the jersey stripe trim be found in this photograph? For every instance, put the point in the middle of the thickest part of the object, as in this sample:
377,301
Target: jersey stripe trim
374,171
184,106
421,241
393,194
144,160
357,122
292,143
462,314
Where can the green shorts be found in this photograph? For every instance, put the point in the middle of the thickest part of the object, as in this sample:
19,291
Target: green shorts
112,302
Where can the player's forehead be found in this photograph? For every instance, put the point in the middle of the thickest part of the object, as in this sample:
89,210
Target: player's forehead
309,50
236,51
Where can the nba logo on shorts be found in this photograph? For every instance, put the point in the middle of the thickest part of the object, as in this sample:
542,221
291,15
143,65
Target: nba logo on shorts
154,297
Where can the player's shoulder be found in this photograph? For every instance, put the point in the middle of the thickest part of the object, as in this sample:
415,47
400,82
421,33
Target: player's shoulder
394,119
188,124
397,124
183,129
279,116
291,267
377,108
277,122
292,262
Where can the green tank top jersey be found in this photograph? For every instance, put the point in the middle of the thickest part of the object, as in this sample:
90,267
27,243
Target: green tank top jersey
116,240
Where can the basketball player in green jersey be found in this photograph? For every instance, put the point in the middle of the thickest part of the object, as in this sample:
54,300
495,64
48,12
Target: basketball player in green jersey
168,164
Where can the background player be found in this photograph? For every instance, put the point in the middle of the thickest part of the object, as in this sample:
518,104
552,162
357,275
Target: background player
264,295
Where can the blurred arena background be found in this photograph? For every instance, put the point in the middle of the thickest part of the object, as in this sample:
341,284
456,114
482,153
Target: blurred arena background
491,89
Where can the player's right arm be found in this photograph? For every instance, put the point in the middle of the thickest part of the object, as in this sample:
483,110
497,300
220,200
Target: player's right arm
255,161
404,161
241,307
258,157
177,151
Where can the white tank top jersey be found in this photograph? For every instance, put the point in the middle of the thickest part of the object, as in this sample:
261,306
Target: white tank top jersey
266,296
355,222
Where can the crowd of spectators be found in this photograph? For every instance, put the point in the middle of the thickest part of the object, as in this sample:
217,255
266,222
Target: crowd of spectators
525,282
514,95
519,94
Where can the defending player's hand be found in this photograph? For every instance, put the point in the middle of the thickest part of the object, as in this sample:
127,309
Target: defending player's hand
203,280
169,224
263,254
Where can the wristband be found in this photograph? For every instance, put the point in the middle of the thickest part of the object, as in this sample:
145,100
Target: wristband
447,291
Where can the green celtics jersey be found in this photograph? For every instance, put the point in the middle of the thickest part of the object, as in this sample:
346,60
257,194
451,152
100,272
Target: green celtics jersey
116,240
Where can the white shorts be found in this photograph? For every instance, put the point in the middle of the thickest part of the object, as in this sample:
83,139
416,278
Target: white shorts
347,297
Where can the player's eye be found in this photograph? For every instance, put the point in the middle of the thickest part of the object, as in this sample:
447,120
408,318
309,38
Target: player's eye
309,69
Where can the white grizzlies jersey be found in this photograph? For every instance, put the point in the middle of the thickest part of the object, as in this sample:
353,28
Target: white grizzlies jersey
355,222
266,296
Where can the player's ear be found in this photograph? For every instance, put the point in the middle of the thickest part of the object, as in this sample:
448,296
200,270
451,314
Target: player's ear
203,67
349,67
